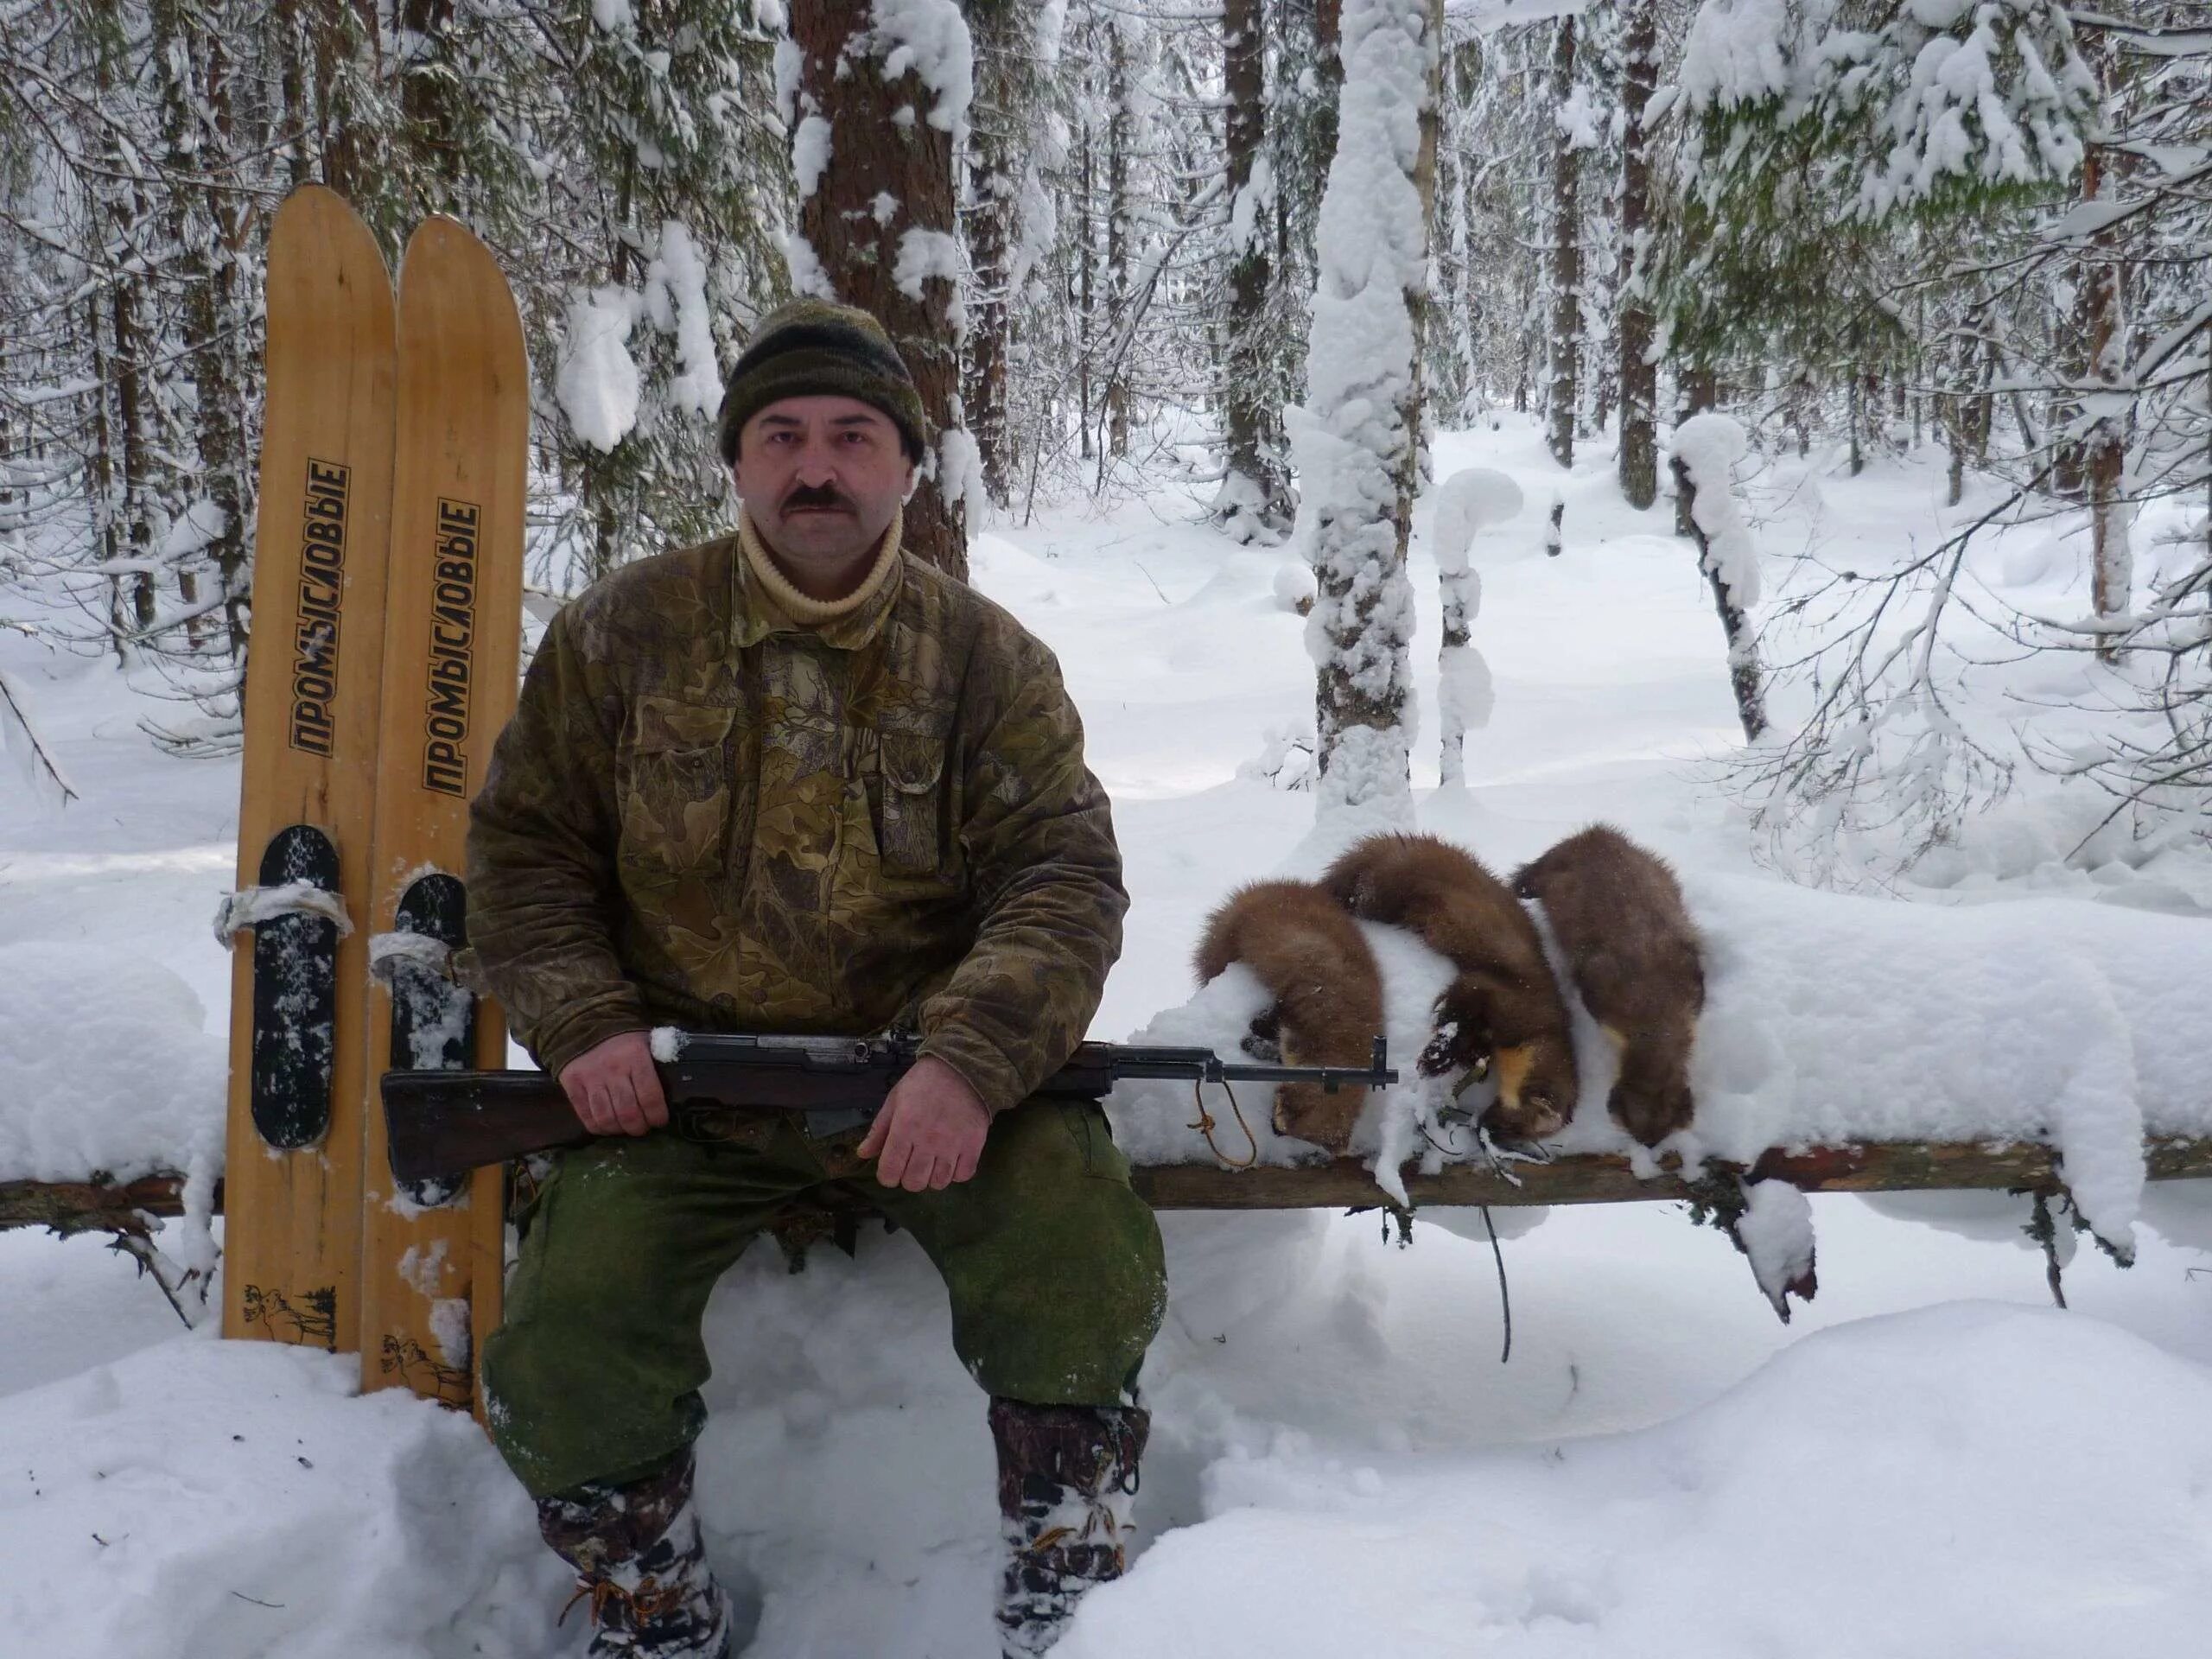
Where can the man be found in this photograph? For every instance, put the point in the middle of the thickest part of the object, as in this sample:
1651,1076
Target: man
797,780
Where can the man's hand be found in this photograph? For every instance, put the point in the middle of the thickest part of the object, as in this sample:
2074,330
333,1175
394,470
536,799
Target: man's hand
931,1130
614,1088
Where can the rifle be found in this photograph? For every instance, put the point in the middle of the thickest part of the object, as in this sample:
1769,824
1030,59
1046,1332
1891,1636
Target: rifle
440,1123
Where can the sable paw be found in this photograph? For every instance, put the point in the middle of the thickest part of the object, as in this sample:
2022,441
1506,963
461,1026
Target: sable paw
1652,1115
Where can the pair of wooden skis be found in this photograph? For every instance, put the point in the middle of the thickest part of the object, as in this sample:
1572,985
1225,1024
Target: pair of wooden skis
387,594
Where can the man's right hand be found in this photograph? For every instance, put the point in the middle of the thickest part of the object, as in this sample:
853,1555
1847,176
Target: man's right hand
614,1088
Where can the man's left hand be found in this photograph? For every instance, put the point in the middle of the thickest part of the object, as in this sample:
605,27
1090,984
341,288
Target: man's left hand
931,1130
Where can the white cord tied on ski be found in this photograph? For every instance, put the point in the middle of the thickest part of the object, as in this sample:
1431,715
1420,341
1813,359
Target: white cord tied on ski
392,955
250,907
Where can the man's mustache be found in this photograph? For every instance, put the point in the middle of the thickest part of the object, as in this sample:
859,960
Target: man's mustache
826,495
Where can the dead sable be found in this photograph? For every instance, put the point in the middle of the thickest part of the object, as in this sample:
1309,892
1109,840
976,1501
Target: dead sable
1327,991
1501,1011
1618,914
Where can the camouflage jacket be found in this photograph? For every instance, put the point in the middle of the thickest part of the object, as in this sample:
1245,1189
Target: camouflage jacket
705,815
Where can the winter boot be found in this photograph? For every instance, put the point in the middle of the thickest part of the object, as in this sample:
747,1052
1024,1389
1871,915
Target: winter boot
640,1566
1067,1487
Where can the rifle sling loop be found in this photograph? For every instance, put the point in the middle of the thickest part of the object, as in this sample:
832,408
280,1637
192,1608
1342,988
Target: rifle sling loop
1205,1125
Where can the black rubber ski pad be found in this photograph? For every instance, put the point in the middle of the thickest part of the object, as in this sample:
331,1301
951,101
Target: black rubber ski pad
433,1020
294,997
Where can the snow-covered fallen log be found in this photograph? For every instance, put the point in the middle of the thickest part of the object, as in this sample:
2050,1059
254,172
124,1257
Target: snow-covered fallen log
1346,1184
1846,1044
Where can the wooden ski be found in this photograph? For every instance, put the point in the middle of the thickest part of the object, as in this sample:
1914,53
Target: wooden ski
291,1244
433,1260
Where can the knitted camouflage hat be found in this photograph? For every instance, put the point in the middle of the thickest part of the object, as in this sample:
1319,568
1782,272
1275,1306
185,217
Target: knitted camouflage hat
813,348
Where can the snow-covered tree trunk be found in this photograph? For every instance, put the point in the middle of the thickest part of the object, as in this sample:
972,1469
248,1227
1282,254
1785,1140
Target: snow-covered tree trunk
1639,373
1697,390
1417,468
879,92
1466,502
1254,503
1566,250
1705,451
1351,438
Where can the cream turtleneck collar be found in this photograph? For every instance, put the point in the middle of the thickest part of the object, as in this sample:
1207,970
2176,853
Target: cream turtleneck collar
776,588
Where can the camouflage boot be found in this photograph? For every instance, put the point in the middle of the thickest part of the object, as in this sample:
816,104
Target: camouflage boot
641,1567
1067,1486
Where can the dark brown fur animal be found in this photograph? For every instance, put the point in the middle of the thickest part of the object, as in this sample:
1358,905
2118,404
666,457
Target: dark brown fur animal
1328,992
1502,1012
1619,919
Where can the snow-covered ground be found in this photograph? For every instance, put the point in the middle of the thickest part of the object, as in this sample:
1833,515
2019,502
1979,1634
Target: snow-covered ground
1927,1461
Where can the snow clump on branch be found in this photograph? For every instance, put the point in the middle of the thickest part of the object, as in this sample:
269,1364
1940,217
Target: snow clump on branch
930,38
1709,446
598,384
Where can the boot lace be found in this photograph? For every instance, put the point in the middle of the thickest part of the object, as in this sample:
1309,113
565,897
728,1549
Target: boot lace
1100,1520
637,1607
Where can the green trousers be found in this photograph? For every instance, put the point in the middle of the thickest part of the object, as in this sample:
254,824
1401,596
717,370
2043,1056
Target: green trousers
1052,1264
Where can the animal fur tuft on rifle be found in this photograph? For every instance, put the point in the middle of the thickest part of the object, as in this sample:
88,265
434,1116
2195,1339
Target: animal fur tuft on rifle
442,1123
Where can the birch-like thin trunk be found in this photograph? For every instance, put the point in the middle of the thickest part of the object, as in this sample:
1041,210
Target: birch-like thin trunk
1746,678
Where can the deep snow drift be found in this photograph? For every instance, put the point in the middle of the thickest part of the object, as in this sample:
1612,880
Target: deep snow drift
1340,1461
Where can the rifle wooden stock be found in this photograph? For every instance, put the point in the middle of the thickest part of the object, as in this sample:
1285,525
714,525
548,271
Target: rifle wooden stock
442,1123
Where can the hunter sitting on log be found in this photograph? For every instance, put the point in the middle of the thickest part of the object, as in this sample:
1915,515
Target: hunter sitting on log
797,780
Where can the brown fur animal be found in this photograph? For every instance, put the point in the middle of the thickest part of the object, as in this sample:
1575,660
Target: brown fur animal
1618,914
1502,1011
1328,992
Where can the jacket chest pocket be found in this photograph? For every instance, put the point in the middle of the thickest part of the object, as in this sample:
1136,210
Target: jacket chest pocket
906,799
676,786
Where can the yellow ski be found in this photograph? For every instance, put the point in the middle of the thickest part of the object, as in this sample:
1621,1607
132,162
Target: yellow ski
432,1258
293,1182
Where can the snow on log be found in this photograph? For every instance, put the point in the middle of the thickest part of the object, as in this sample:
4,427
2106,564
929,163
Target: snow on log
1347,1184
1922,1045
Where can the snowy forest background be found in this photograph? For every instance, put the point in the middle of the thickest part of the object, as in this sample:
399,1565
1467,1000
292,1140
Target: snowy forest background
1852,358
1856,228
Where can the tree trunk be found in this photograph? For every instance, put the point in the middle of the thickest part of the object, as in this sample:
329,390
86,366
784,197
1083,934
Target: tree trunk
1373,261
1639,377
196,117
1086,283
99,477
881,225
1566,257
1411,472
345,34
2104,449
1698,391
1745,675
1005,94
1119,140
1329,71
292,117
1255,504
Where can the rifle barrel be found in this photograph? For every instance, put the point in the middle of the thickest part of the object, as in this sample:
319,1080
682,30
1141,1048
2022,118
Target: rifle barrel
440,1122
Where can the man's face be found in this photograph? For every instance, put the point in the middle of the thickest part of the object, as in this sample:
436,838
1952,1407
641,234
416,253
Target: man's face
822,477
